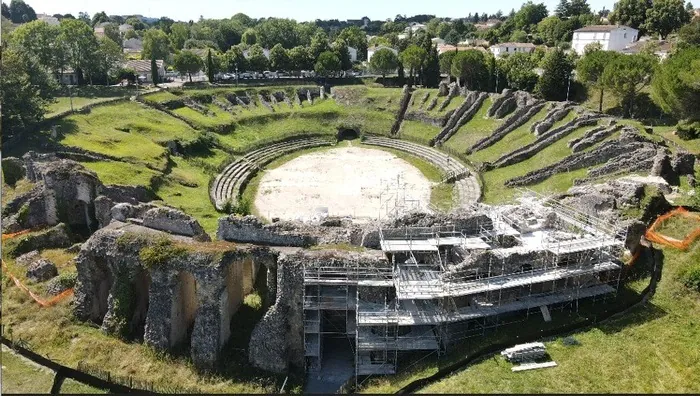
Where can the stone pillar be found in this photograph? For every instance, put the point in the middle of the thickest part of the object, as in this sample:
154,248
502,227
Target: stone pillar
160,305
322,92
206,342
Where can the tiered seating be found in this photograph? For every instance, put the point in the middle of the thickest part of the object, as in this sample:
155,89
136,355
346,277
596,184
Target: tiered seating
468,189
228,184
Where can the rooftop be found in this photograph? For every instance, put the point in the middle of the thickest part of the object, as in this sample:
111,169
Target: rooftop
602,28
516,45
142,65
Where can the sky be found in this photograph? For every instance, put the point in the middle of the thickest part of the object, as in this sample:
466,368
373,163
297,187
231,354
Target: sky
301,10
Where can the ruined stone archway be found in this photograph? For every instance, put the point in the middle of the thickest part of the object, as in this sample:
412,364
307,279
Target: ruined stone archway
347,134
184,308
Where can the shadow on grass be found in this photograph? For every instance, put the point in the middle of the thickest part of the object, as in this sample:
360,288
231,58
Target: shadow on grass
95,91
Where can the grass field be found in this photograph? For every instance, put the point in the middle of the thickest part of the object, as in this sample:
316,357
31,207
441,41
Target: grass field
20,375
477,128
82,96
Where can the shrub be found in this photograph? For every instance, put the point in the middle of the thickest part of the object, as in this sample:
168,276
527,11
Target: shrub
688,130
160,252
253,300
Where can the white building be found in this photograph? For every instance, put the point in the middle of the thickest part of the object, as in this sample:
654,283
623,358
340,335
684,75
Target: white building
660,48
438,41
51,20
501,49
610,37
353,54
372,50
143,69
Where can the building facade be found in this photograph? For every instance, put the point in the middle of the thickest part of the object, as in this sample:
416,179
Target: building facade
610,37
501,49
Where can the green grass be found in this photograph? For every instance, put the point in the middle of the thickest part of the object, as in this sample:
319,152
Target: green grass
418,95
122,173
679,226
160,97
129,131
20,375
496,192
653,349
477,128
516,139
216,117
419,130
454,103
82,96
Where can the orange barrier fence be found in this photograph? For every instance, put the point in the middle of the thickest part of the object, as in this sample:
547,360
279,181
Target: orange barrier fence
684,244
39,300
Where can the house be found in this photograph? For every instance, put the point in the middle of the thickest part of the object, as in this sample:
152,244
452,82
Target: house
438,41
415,26
475,42
610,37
68,77
142,67
501,49
51,20
132,45
99,31
353,54
371,51
660,48
447,48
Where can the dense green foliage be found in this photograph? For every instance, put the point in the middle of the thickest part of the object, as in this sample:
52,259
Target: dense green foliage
187,62
666,16
384,61
626,76
554,82
590,68
673,87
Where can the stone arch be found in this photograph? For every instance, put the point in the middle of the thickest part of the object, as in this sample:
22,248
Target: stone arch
185,305
231,298
347,133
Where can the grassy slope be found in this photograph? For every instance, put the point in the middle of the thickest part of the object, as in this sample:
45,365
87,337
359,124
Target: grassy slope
477,128
22,376
651,349
496,192
419,130
82,96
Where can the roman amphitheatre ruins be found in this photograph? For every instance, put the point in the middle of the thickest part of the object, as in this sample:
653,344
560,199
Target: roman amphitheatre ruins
375,227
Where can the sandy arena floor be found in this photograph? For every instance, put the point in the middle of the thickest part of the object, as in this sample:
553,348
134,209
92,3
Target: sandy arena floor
346,180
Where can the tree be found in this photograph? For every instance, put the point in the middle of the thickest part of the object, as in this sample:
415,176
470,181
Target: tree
530,14
690,33
518,36
210,67
5,11
319,44
443,29
519,71
23,105
632,13
164,24
106,60
553,30
112,33
327,63
472,67
21,12
453,37
187,62
179,33
249,37
563,9
626,76
98,18
41,40
136,23
256,58
446,61
277,31
356,38
384,62
80,43
413,57
431,70
674,89
279,59
340,48
590,68
233,58
666,16
154,71
553,83
300,58
579,7
155,44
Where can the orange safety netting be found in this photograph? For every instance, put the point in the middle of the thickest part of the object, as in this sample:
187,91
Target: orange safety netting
39,300
684,244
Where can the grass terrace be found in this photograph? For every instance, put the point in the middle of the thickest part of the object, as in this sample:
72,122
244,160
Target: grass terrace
477,128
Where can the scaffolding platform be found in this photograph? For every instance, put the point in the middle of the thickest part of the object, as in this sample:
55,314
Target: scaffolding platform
580,245
437,287
403,245
408,315
364,366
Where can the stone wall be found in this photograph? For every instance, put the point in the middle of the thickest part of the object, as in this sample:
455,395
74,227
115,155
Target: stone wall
403,105
189,287
518,118
556,114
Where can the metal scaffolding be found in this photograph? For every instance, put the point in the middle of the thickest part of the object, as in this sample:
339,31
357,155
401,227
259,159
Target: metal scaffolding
445,284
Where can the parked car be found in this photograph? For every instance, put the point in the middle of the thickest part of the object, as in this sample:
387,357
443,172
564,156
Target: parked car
245,75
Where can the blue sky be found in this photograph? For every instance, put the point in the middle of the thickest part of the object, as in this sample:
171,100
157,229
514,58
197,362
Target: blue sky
301,10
